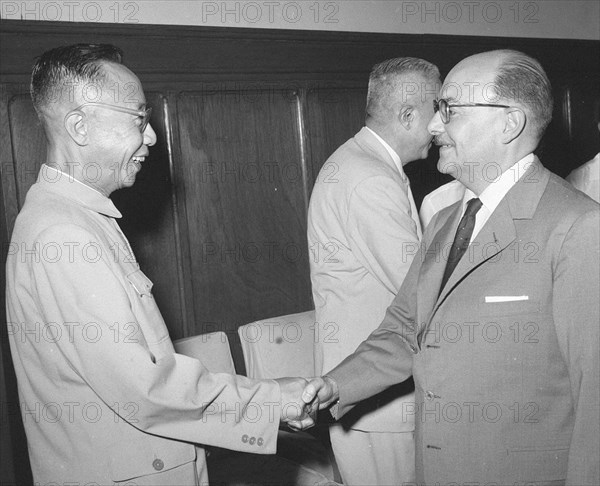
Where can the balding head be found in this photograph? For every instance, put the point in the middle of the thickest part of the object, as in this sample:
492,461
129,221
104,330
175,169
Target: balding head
508,77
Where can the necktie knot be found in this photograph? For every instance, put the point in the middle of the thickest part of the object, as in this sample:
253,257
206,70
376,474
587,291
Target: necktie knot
473,206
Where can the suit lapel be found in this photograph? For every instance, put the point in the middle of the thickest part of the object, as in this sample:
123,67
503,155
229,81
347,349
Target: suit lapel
499,231
434,261
369,144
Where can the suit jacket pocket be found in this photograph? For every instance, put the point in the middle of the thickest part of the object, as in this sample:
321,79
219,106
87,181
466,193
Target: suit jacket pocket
514,308
148,456
548,463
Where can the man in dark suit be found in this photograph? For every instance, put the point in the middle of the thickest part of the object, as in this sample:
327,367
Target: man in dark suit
497,319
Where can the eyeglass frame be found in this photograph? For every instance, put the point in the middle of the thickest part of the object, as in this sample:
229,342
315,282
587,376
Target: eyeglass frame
445,115
145,113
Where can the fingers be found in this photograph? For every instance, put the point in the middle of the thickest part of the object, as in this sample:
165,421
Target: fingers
311,390
298,425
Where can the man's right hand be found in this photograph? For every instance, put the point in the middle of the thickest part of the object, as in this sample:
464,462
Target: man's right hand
321,391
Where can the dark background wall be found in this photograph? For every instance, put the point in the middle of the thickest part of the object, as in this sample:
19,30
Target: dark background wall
244,119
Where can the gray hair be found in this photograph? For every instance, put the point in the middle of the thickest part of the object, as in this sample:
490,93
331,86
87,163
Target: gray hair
522,79
385,82
60,68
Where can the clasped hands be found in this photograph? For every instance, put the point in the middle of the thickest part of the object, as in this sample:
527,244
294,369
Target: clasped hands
301,398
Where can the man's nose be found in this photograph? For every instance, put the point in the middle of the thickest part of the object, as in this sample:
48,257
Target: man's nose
149,135
436,126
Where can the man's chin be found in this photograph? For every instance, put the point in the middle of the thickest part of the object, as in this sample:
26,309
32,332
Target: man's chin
444,165
450,167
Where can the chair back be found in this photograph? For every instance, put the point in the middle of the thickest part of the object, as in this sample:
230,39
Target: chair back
212,349
280,346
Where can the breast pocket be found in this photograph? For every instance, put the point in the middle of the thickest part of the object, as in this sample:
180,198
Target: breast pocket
142,284
148,315
510,308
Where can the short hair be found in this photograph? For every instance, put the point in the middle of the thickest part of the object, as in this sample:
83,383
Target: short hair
386,76
63,67
522,79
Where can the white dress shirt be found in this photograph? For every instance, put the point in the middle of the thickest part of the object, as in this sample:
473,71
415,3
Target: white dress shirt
495,192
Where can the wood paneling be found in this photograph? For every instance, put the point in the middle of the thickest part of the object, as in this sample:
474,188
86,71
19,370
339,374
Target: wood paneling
244,195
28,143
334,115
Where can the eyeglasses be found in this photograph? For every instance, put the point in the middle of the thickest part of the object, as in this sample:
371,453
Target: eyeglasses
143,114
443,107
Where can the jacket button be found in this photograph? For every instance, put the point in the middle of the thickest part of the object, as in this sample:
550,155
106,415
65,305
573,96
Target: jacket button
158,465
429,395
252,440
244,438
260,442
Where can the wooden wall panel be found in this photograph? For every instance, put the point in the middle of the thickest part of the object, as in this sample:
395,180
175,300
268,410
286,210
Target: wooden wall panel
14,460
28,143
244,195
333,116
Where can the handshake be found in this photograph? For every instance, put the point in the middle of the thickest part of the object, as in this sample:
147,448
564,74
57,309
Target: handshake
301,398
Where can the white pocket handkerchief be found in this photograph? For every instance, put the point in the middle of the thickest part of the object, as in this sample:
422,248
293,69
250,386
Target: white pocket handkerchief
505,298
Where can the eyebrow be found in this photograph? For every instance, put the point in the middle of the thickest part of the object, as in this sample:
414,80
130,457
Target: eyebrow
140,106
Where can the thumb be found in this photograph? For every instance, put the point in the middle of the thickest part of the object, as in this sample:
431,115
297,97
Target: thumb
310,392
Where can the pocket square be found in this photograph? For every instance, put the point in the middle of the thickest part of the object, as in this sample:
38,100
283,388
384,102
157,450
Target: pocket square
505,298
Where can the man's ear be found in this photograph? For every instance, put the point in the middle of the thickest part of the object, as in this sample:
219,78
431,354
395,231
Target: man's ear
514,125
77,127
406,116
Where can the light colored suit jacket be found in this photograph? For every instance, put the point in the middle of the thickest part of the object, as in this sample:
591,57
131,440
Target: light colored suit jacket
440,198
586,178
104,397
505,358
363,231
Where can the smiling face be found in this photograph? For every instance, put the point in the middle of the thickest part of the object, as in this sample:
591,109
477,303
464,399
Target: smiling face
117,147
470,142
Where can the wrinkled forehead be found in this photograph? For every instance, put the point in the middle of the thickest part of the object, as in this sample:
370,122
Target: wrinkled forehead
471,82
122,87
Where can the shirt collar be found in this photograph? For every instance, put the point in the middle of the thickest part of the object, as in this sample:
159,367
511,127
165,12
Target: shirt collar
59,182
393,154
495,192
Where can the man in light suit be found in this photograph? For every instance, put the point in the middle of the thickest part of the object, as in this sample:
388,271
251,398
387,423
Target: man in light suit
105,399
361,215
586,177
503,341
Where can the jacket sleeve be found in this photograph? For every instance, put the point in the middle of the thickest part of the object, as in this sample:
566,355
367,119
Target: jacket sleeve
576,312
385,358
108,348
382,234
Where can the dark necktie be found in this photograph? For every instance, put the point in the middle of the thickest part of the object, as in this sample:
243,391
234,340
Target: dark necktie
462,238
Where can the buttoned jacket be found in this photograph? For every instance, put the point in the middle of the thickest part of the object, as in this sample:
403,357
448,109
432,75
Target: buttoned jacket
104,397
505,356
